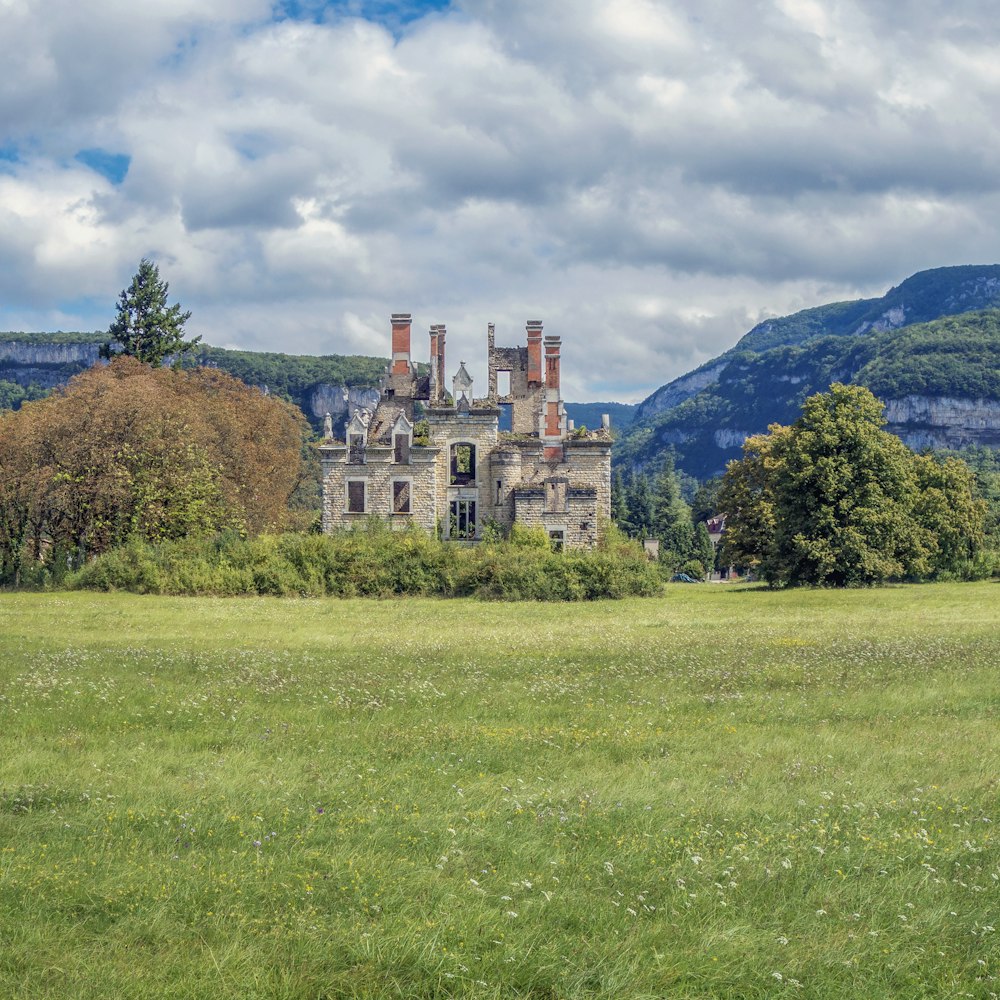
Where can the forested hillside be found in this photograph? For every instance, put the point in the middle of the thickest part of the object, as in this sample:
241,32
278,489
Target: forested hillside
942,380
33,363
589,414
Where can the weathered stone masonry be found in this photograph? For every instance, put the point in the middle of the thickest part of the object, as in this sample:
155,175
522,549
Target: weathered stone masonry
511,457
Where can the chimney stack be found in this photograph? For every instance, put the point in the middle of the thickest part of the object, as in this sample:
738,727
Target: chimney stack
552,345
534,330
400,344
435,386
440,358
553,418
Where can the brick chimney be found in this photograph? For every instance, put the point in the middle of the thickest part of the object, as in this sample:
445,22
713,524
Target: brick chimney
553,418
440,357
534,330
435,386
400,344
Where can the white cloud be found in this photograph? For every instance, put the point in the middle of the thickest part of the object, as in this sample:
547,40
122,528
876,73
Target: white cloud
649,177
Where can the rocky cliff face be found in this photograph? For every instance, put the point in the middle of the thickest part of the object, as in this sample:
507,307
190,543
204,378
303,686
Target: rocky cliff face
676,392
44,365
943,422
15,352
340,401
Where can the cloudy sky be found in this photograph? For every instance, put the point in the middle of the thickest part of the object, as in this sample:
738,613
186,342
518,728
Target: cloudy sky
648,177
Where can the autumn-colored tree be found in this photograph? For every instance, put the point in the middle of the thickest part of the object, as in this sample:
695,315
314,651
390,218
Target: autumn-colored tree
126,450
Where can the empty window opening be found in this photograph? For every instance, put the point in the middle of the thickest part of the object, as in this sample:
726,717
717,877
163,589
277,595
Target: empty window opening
555,498
557,539
499,491
355,496
463,464
503,383
356,449
462,519
400,496
401,449
506,417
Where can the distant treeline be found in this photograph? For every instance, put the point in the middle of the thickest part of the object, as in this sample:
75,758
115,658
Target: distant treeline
589,414
288,376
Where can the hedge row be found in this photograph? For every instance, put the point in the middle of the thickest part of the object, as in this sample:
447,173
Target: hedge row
372,562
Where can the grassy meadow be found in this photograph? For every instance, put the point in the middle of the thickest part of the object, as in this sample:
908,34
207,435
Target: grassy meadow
722,792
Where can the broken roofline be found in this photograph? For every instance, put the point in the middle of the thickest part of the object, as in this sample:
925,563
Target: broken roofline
526,361
535,471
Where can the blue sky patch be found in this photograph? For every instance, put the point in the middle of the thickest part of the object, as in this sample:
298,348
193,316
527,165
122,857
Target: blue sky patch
95,311
9,155
113,166
394,14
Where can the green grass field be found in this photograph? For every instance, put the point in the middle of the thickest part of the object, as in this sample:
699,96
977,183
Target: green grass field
720,793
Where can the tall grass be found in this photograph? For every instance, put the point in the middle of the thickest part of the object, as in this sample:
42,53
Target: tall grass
722,792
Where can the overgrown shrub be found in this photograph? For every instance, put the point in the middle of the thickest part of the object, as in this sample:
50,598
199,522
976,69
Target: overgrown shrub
693,568
372,561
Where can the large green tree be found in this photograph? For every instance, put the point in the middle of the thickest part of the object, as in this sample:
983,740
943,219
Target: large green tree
746,496
639,501
843,494
672,518
836,500
145,327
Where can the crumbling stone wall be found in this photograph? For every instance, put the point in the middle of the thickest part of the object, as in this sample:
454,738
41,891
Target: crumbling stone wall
572,496
536,474
378,473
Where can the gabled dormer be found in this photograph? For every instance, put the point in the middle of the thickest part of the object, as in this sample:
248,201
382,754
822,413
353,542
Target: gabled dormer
357,438
402,440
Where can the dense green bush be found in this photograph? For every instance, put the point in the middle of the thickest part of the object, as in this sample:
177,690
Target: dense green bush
372,561
834,500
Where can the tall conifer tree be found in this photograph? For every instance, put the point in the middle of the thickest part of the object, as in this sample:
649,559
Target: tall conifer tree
145,327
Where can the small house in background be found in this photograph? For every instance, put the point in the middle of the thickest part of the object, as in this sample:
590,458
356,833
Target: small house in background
716,526
509,457
716,529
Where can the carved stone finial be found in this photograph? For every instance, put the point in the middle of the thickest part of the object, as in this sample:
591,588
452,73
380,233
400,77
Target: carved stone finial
461,384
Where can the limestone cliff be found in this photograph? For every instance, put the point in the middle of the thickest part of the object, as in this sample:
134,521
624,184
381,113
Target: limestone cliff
340,401
45,365
16,353
944,422
674,393
332,383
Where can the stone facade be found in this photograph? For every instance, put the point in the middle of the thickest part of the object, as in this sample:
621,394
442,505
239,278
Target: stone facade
467,472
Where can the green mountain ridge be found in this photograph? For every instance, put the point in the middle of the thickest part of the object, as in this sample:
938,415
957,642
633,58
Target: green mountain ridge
919,348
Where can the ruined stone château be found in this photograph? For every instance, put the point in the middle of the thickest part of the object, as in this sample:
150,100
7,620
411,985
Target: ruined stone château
509,458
